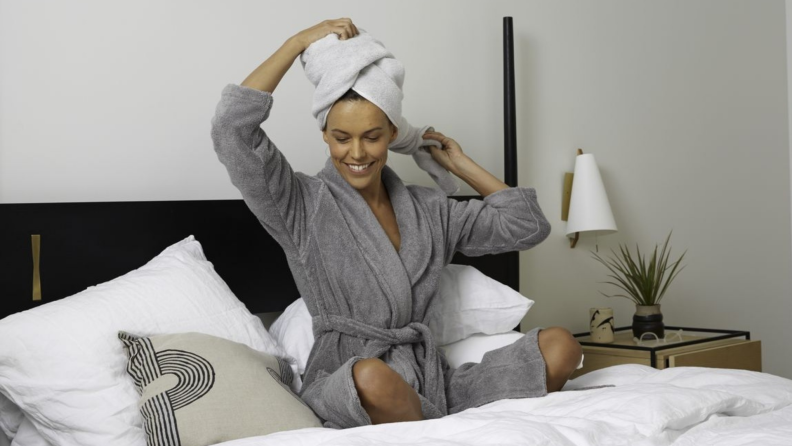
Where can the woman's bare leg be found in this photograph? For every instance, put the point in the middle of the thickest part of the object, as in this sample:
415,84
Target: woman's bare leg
385,396
562,354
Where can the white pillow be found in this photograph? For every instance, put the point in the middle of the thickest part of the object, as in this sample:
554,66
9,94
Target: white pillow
467,302
293,330
62,364
473,348
470,302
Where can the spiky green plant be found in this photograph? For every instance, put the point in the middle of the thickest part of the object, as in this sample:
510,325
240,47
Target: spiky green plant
644,282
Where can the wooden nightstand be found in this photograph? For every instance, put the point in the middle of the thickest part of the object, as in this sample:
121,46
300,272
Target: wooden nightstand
699,347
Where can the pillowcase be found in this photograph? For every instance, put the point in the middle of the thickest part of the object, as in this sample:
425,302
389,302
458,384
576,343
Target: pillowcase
199,390
467,302
473,348
470,302
61,362
293,330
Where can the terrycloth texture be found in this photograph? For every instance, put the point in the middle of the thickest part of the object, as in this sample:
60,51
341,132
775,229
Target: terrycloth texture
363,64
348,270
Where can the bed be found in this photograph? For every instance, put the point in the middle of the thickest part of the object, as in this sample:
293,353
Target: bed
83,244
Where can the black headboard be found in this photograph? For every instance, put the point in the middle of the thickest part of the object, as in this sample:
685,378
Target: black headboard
84,244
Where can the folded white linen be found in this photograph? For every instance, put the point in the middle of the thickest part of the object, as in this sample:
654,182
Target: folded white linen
11,417
363,64
28,435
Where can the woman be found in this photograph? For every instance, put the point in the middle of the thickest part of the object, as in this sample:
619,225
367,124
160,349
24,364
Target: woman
366,253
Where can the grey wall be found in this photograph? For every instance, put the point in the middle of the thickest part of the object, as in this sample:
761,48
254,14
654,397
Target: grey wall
683,103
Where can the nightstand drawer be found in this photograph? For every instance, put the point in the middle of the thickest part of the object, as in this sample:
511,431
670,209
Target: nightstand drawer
745,356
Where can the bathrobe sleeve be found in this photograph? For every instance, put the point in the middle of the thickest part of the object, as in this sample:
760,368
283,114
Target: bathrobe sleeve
281,199
507,220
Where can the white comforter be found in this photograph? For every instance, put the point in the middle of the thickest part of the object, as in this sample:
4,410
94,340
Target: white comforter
679,406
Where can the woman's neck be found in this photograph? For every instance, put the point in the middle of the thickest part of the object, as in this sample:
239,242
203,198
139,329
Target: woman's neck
375,196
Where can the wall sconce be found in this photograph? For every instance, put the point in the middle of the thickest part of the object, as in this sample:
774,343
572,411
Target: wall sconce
585,205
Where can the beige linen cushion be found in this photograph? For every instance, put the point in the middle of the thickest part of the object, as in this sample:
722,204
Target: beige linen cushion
198,390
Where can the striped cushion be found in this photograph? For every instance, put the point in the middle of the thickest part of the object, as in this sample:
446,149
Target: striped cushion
198,389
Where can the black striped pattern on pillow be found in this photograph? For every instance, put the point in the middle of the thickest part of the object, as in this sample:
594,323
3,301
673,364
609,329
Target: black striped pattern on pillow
195,377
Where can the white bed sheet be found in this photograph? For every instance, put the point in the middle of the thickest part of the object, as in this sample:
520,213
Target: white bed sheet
679,406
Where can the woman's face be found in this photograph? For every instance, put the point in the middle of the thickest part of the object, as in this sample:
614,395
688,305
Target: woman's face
358,134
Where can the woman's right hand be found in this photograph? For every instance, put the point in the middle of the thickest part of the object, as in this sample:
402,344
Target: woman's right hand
343,27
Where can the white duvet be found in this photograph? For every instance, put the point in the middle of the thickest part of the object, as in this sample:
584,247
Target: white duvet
679,406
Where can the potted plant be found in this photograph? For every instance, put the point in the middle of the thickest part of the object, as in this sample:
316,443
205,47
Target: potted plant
643,281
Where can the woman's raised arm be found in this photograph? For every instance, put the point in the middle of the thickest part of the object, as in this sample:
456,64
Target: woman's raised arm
269,74
275,194
451,157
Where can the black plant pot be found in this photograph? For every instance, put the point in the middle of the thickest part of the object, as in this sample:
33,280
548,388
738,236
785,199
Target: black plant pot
648,319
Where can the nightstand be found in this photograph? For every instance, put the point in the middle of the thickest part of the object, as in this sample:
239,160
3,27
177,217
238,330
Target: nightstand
698,347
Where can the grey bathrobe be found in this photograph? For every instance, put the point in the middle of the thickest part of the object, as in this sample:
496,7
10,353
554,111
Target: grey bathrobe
367,299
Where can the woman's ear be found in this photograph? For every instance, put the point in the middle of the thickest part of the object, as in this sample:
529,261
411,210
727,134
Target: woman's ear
394,133
324,137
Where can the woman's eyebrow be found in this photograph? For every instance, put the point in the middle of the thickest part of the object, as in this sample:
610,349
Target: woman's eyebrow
365,133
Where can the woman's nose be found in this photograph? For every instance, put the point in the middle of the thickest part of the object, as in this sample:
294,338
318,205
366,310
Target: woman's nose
357,152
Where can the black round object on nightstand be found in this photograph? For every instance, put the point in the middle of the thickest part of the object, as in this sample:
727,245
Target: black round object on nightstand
650,323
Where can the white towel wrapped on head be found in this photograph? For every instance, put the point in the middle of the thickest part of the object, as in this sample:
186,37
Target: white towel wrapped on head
363,64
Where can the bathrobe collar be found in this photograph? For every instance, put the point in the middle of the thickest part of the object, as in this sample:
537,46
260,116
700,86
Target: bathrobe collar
399,269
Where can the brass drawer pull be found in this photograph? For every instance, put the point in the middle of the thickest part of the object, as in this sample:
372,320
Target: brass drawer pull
35,241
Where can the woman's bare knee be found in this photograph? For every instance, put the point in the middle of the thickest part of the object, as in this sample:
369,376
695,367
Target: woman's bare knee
385,396
562,354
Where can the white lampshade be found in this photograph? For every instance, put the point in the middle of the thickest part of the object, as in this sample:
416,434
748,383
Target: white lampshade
589,208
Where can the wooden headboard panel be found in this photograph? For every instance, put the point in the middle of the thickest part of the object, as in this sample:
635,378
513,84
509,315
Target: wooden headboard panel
84,244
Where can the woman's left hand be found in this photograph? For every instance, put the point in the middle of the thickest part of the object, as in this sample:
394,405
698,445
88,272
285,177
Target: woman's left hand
450,156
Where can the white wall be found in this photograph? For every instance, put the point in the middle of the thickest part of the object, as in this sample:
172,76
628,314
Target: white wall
683,103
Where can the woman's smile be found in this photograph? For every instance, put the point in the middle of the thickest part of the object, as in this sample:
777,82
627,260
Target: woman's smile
359,169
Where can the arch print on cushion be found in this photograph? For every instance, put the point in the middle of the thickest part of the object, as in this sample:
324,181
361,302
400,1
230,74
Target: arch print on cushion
198,389
194,377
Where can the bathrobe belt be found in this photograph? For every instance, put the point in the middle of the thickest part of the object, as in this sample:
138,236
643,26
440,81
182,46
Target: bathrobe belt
381,340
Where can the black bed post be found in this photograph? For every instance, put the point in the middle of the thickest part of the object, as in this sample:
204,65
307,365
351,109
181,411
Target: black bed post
509,114
510,137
